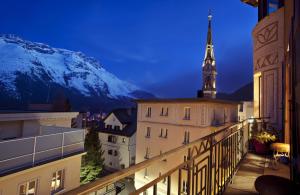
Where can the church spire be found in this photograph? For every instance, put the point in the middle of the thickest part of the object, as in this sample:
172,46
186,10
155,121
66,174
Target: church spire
209,71
209,51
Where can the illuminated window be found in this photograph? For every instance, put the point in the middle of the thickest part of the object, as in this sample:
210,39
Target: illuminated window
57,182
28,188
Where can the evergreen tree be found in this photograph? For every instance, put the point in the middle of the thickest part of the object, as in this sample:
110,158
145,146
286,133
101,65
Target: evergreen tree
93,161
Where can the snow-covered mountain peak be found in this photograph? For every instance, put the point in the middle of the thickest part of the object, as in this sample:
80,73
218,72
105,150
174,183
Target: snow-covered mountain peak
68,69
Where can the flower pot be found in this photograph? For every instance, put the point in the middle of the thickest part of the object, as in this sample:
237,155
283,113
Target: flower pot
261,148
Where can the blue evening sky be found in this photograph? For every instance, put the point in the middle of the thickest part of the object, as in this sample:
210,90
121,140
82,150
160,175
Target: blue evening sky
155,44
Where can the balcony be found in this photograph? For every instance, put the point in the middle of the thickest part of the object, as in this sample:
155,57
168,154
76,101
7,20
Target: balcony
208,166
23,153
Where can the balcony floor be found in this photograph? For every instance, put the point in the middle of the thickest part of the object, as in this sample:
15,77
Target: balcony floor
252,167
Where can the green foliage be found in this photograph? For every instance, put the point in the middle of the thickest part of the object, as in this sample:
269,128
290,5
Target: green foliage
92,162
265,137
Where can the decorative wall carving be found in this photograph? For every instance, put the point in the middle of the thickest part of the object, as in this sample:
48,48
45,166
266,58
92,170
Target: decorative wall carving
266,35
267,60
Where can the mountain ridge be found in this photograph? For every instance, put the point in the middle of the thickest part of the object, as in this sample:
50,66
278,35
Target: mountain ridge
36,73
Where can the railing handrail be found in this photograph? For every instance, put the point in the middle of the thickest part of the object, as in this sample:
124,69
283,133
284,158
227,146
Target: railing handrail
43,151
109,179
33,137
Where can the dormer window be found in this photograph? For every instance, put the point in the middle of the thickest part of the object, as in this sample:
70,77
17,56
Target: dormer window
187,113
148,114
117,127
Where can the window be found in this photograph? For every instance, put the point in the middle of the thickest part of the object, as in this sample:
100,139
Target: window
164,111
132,160
110,163
146,173
57,182
112,139
117,127
186,137
241,107
116,153
187,113
122,166
148,132
161,132
110,152
28,188
148,112
123,140
147,154
109,127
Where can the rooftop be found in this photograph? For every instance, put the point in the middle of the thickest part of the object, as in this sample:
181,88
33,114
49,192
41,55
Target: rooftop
186,100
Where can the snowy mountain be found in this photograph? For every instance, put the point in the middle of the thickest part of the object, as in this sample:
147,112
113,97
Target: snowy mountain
34,73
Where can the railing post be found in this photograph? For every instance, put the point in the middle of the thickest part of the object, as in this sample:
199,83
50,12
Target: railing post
209,183
34,149
62,145
189,173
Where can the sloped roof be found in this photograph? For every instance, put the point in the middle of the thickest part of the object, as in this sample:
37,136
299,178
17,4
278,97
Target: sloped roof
127,117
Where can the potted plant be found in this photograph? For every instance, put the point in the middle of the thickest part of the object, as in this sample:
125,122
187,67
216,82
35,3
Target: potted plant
262,141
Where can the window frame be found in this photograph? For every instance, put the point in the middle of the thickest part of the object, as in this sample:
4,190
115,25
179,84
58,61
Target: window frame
62,181
26,183
187,113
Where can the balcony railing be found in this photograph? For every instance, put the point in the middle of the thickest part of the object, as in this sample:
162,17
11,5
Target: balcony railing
18,154
209,165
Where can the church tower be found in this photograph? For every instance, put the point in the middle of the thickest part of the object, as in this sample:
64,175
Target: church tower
209,71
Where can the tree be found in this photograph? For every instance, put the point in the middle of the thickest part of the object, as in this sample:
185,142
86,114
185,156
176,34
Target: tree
93,161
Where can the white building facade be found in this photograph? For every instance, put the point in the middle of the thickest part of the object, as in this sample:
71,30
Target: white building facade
245,110
118,139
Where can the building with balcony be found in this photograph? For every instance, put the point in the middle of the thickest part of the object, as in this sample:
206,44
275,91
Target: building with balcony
118,138
40,153
221,163
165,124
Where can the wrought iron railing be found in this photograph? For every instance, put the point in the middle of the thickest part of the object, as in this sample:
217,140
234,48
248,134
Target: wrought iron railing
208,165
